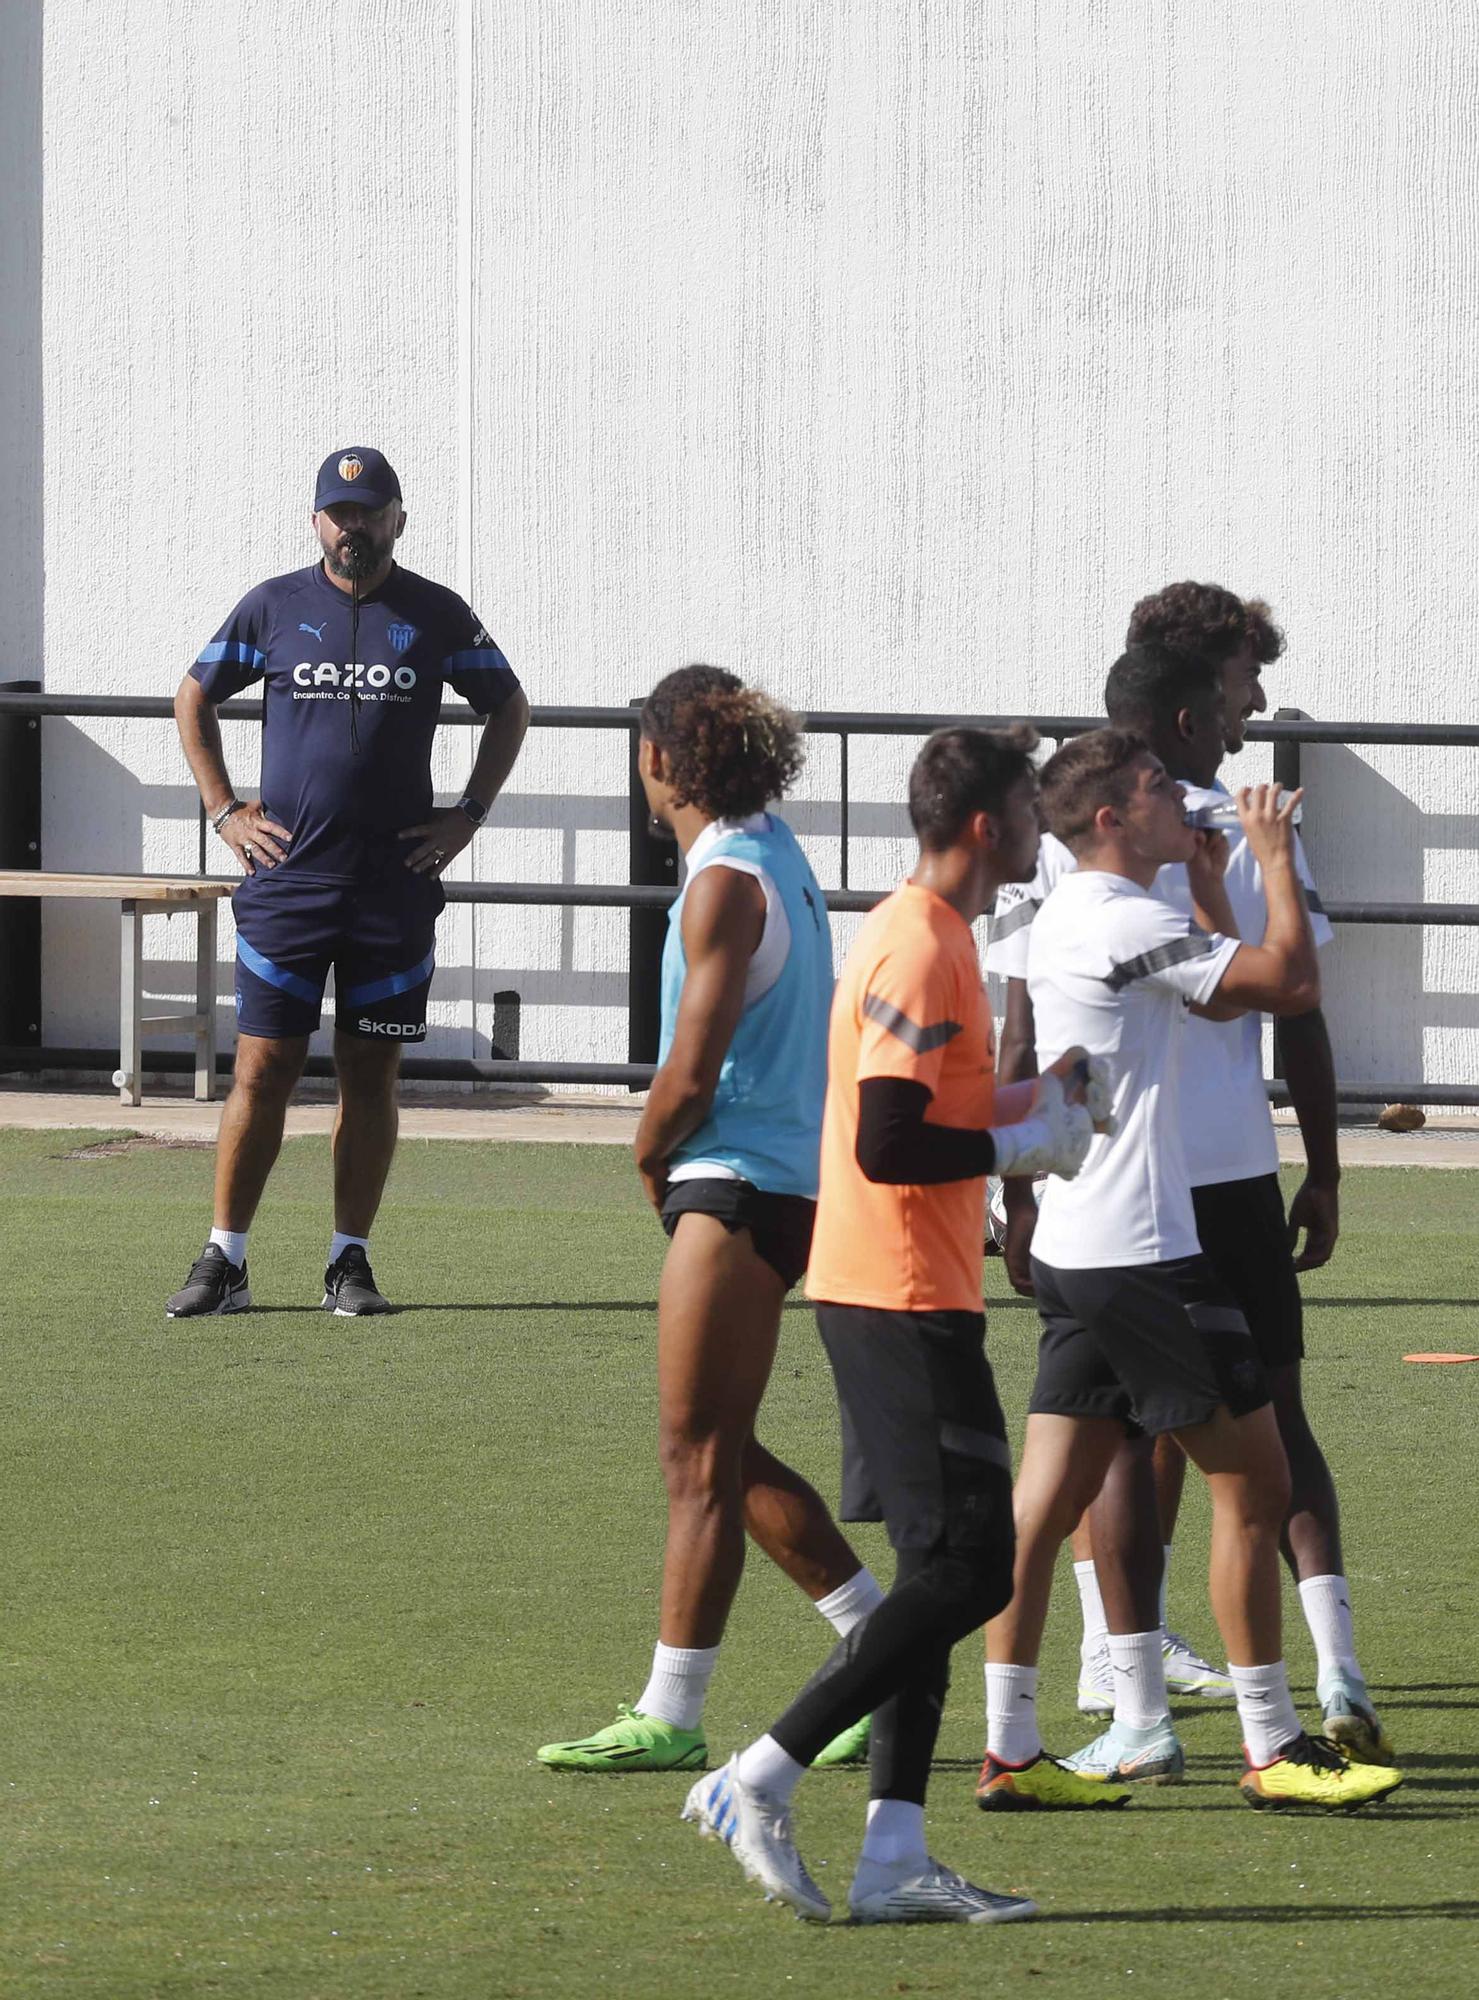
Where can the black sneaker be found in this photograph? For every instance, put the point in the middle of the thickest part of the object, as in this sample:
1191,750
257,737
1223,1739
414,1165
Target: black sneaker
349,1286
215,1285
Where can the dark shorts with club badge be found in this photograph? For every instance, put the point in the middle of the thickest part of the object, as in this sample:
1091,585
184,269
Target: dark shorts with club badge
1158,1346
379,940
924,1442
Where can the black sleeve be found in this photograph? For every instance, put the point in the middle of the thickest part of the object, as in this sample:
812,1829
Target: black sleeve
897,1147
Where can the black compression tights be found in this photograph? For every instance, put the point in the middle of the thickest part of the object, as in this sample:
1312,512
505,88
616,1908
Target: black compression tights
896,1666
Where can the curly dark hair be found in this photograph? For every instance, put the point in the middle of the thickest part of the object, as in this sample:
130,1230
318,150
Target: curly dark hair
1204,618
730,749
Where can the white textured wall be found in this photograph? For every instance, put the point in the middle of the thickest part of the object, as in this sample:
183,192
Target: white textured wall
884,350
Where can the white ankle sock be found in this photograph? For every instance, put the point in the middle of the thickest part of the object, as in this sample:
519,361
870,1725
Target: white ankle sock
233,1242
1139,1679
766,1767
1265,1709
895,1836
1092,1606
851,1602
339,1243
1165,1583
678,1683
1327,1612
1011,1713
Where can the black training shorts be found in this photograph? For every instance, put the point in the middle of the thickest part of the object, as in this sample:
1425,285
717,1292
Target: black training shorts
1159,1346
924,1442
780,1225
1245,1237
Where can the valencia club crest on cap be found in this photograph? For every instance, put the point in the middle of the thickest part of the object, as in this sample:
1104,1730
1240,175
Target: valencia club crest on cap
350,467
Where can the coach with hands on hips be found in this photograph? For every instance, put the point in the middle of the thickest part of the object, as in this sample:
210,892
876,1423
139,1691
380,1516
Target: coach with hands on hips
342,852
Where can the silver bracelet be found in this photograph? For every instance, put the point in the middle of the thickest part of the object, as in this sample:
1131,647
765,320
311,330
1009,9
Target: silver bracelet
224,814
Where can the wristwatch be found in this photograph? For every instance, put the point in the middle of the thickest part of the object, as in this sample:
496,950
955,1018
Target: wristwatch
472,809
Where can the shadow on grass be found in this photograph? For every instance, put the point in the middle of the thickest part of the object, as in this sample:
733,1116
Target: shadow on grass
1314,1304
1457,1911
483,1306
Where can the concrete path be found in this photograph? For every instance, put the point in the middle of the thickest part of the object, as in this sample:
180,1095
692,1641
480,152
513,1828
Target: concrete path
582,1119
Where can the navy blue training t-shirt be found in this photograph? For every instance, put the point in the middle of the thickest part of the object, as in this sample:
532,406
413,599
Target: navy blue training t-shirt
346,747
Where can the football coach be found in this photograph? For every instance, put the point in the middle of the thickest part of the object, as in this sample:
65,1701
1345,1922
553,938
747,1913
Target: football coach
341,855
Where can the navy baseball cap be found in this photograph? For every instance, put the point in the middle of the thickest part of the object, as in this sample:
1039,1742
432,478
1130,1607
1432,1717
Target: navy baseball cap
358,473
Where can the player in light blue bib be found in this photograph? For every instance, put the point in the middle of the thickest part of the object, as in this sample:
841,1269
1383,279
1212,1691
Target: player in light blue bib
728,1151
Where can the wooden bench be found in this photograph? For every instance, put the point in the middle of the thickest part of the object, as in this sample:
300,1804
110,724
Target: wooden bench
140,896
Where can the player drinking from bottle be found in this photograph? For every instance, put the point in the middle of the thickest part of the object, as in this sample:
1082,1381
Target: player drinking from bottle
1139,1331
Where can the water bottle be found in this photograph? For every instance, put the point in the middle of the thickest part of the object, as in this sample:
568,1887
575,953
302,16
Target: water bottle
1221,816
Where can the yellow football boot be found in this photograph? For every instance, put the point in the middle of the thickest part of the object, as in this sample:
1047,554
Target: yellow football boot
1314,1776
1044,1785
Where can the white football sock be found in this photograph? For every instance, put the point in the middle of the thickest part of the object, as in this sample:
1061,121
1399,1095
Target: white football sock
894,1839
1165,1584
766,1767
1265,1709
1011,1714
678,1683
1327,1612
1139,1678
233,1242
851,1602
339,1243
1092,1606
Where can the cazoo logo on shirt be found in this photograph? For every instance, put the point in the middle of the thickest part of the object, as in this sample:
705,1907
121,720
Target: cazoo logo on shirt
354,674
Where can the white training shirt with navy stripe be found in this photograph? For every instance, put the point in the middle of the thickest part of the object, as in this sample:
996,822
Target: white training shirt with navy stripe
1225,1123
1112,967
1226,1128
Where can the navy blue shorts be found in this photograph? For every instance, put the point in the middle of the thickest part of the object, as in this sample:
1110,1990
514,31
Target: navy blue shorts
379,939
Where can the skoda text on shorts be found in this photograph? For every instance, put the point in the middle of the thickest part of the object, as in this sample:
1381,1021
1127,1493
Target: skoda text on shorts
341,853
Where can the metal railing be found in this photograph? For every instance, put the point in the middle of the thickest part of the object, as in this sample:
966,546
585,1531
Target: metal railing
652,882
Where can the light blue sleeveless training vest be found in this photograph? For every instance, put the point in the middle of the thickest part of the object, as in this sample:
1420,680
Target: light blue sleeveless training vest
765,1123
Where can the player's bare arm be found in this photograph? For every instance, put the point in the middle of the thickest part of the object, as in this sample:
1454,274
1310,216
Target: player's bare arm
1309,1071
723,921
256,840
1282,974
447,832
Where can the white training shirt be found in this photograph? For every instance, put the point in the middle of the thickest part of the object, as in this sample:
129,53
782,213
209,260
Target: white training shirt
1227,1132
768,961
1113,968
1226,1129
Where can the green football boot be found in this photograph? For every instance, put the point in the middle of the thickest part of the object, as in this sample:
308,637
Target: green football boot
850,1747
632,1743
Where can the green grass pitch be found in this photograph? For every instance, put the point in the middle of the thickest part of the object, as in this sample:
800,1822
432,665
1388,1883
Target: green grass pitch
289,1601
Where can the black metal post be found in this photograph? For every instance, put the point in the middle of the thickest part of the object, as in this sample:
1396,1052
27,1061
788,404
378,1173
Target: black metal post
653,864
1286,750
20,847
